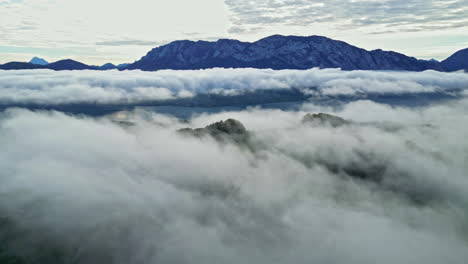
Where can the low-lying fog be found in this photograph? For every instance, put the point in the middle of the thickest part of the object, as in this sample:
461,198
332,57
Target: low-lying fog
387,185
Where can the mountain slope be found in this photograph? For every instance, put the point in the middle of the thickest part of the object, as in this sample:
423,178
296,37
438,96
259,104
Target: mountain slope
458,61
107,66
276,52
15,65
68,65
122,66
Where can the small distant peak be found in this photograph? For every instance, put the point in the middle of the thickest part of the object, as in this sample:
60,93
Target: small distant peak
65,60
225,40
324,119
292,37
107,66
181,41
38,61
272,37
68,62
277,36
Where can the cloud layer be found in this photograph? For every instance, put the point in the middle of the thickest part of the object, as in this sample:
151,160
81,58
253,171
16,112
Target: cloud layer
64,87
381,16
82,190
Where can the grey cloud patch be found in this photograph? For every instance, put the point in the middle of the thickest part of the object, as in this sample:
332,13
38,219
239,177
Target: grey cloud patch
27,25
82,190
240,29
412,15
64,87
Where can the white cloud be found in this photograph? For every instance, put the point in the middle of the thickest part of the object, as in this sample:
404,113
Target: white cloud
50,87
92,191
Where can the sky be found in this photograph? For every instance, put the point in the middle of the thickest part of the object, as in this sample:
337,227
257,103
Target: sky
117,31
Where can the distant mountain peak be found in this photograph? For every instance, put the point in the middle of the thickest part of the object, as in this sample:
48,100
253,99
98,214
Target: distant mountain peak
38,61
69,64
107,66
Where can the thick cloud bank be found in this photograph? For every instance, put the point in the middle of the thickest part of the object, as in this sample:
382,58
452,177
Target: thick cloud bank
111,87
391,186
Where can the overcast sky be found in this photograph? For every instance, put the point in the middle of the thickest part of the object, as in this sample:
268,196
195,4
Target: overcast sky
118,31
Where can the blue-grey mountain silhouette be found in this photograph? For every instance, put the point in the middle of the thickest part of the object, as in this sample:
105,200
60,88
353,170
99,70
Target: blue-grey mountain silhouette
277,52
69,65
274,52
38,61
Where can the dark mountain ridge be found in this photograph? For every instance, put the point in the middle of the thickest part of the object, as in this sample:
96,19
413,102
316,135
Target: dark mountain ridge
61,65
17,65
69,65
273,52
276,52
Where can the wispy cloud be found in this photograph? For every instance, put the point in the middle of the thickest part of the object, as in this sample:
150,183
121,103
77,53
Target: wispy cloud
379,16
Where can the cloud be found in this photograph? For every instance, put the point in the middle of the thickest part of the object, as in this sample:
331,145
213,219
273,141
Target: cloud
400,16
104,87
84,190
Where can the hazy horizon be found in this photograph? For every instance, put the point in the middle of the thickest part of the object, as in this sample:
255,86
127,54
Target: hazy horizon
117,63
